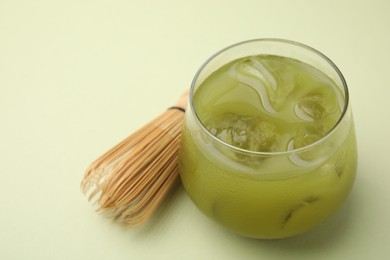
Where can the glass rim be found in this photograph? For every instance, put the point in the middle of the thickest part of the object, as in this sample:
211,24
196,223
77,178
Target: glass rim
287,152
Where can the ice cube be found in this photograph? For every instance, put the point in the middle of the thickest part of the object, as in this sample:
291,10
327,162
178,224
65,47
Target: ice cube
247,132
252,73
308,135
311,107
305,137
287,80
272,80
253,66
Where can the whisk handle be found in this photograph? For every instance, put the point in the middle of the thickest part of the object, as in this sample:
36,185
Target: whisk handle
183,101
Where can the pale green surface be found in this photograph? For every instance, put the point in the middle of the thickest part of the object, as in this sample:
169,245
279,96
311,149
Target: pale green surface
77,76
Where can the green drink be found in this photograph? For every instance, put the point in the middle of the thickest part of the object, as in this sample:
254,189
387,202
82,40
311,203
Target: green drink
268,146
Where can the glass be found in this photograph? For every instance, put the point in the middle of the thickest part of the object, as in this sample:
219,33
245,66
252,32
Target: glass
268,153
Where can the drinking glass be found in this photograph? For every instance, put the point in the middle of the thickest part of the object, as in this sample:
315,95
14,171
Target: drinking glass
268,194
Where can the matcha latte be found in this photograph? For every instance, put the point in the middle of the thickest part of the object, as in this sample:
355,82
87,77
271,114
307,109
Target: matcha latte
268,147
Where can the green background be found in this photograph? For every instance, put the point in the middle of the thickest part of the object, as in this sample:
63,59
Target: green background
76,77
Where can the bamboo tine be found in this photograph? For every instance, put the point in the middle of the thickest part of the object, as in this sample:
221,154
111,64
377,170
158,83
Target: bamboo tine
130,181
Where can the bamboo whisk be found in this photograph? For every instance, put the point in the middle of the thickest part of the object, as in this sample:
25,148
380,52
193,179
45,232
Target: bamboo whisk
130,181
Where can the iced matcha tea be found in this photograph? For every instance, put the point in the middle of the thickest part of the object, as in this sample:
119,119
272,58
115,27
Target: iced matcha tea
268,146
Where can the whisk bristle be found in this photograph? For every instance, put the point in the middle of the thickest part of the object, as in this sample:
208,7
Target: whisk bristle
130,181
